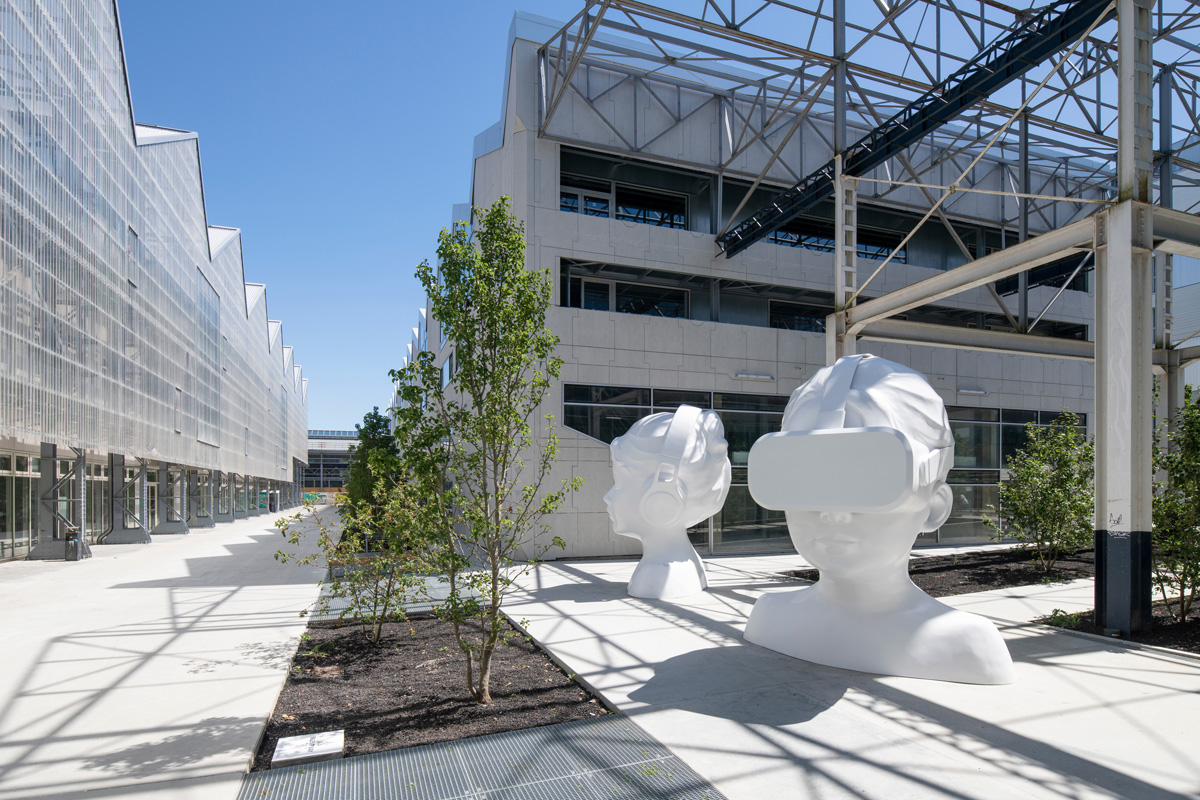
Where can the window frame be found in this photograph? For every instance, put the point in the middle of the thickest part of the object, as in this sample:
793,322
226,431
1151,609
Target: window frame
610,197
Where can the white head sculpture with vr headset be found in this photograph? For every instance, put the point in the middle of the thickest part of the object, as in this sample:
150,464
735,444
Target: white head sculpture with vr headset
860,470
670,471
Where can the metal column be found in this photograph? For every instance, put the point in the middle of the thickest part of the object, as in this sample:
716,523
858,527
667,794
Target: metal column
223,511
128,504
1124,342
61,538
238,487
172,500
252,500
200,499
1023,204
1173,382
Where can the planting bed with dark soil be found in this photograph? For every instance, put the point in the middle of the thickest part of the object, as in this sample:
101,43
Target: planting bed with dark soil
410,689
1164,630
943,576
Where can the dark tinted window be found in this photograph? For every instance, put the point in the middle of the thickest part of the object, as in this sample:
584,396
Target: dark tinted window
749,402
616,395
973,414
656,301
672,398
602,422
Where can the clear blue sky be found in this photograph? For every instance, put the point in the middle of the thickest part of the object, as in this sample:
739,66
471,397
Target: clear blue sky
337,137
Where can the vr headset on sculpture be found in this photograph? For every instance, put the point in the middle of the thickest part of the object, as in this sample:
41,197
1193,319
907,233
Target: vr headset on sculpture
833,468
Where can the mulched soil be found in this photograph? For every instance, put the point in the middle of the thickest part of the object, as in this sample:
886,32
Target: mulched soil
410,689
943,576
1164,630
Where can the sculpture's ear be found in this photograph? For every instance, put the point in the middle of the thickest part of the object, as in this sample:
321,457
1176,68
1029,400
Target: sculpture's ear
939,508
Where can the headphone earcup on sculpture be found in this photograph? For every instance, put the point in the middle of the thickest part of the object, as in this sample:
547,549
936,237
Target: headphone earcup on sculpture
662,506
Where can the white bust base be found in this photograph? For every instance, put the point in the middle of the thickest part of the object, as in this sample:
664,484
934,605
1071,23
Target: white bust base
917,637
669,575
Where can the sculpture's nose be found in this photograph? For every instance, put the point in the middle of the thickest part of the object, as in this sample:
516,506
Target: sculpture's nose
608,497
835,517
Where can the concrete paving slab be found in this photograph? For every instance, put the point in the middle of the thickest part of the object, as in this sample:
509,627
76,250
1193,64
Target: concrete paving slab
1087,718
147,668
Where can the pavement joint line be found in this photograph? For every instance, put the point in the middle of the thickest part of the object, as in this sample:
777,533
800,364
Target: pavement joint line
1168,651
558,662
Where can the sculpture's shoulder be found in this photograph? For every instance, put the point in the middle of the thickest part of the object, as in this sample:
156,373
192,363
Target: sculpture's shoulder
963,647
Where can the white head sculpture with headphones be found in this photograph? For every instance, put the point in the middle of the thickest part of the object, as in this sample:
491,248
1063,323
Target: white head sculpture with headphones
860,470
670,471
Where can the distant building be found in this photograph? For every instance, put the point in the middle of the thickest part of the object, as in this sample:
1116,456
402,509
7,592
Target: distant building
328,460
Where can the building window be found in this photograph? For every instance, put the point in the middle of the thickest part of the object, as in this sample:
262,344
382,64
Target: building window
606,412
629,298
798,317
817,234
598,198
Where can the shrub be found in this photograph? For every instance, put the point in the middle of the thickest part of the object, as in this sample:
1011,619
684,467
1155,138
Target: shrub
376,558
1047,501
1176,534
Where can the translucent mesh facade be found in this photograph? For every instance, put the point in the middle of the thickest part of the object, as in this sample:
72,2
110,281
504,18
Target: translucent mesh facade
126,325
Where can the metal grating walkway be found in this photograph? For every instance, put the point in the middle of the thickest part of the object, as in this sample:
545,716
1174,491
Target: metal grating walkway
595,759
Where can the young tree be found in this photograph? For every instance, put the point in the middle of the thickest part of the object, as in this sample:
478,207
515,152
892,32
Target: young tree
1047,501
468,446
1176,533
375,455
376,557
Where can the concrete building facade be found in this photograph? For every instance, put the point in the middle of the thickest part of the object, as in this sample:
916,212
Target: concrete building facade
623,180
143,386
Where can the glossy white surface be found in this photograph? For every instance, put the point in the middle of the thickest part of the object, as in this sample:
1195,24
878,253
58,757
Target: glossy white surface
670,471
865,613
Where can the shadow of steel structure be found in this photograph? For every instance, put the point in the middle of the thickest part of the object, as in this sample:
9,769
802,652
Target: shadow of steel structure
938,106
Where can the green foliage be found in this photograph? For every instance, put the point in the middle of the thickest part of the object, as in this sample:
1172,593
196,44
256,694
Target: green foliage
1047,501
470,451
1061,619
377,561
1177,510
375,455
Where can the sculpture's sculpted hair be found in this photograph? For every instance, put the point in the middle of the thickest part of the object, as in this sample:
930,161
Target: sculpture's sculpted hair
704,470
883,394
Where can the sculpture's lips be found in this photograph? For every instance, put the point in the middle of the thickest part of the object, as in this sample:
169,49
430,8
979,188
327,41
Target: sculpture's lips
837,544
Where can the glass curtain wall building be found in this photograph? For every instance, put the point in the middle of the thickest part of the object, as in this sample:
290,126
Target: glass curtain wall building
328,460
625,170
142,385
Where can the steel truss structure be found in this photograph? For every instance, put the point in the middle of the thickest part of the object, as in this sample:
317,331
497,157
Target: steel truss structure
1086,148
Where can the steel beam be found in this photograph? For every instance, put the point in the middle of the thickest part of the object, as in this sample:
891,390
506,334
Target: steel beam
1124,424
1050,30
838,341
1188,355
128,504
923,333
61,538
253,490
172,499
200,499
239,486
1176,232
1124,347
1073,238
223,511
